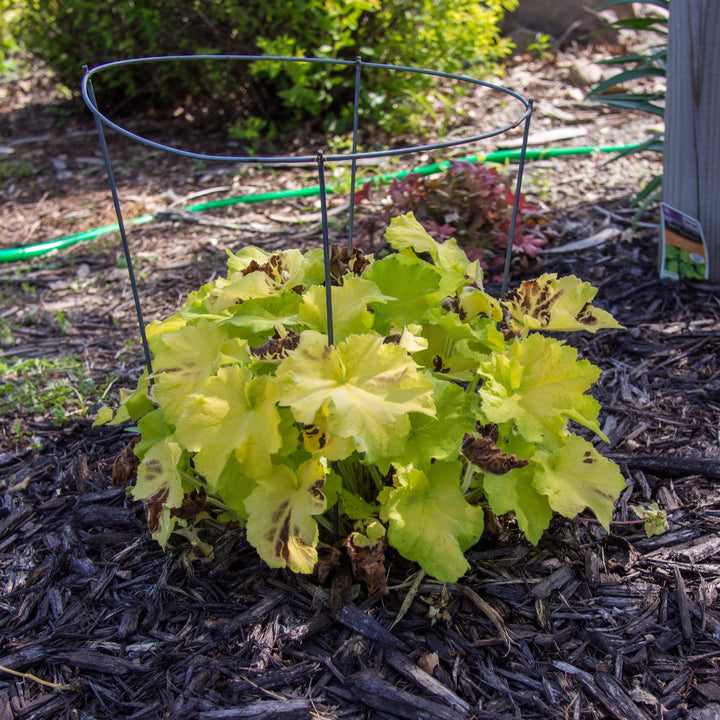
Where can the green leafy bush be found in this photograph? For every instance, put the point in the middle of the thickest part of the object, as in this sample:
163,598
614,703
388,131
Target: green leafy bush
644,65
434,401
448,36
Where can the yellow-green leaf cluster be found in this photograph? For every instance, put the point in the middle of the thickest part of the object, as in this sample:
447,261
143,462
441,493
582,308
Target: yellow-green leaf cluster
434,401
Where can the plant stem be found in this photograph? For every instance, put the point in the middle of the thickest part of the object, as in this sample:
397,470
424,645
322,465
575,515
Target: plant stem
467,477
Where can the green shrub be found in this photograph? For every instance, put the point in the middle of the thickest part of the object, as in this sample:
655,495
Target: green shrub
449,36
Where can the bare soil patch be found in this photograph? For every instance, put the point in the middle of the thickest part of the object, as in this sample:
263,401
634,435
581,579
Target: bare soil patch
586,625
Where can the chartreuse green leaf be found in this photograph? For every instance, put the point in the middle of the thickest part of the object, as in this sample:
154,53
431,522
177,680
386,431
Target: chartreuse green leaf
455,349
349,307
539,384
356,507
189,356
556,304
406,235
157,329
153,428
237,262
159,486
438,437
133,404
655,519
514,491
318,440
231,412
474,303
289,269
280,512
406,232
227,293
414,288
575,476
256,319
234,486
368,387
429,520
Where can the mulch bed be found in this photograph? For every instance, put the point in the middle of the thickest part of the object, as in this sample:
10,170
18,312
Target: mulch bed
97,622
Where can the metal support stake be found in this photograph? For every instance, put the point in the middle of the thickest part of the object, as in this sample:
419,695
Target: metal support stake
353,164
326,245
516,203
121,227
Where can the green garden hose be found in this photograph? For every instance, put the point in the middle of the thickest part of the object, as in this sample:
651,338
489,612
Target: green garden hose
28,252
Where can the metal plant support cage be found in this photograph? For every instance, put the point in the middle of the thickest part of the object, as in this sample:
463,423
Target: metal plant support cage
320,158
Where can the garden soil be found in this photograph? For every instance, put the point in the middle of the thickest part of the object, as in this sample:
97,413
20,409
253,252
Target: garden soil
97,622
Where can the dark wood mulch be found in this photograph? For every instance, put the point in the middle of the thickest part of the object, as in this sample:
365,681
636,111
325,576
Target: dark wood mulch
96,622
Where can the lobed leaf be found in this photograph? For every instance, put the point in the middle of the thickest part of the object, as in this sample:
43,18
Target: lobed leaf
159,486
429,520
231,412
367,387
575,476
556,304
280,512
539,384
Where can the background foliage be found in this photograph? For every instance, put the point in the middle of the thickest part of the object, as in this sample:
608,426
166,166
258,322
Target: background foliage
638,67
450,36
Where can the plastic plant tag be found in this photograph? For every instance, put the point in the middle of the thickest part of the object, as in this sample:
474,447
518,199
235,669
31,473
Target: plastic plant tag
683,249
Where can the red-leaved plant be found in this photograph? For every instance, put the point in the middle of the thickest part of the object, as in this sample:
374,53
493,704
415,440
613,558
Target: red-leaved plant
471,202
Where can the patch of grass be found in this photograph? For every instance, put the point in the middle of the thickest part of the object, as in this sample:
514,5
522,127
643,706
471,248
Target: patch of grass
15,170
57,389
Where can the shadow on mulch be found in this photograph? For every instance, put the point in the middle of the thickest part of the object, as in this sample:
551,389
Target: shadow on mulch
97,622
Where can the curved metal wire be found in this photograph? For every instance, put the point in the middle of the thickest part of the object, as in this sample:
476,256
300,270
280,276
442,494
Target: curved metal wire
319,158
301,159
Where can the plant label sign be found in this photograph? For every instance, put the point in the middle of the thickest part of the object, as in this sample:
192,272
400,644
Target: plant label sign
683,249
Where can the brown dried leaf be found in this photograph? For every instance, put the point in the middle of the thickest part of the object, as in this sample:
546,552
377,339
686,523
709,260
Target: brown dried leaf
126,465
485,454
276,347
192,504
368,563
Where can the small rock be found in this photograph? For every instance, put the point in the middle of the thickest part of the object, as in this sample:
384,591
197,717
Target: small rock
583,73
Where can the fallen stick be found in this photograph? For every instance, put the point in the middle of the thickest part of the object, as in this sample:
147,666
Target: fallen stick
675,466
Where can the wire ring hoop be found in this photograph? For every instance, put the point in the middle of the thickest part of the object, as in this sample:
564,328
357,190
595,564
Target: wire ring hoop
319,159
302,159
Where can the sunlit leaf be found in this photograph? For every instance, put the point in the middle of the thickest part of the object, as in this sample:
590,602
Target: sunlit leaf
256,319
189,356
556,304
280,511
368,388
474,303
539,384
429,520
232,412
414,288
575,476
405,234
350,301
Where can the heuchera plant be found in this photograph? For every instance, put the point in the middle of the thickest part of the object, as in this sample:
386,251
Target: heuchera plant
434,400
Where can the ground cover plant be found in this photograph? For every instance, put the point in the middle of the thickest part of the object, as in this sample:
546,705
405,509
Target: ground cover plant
423,401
